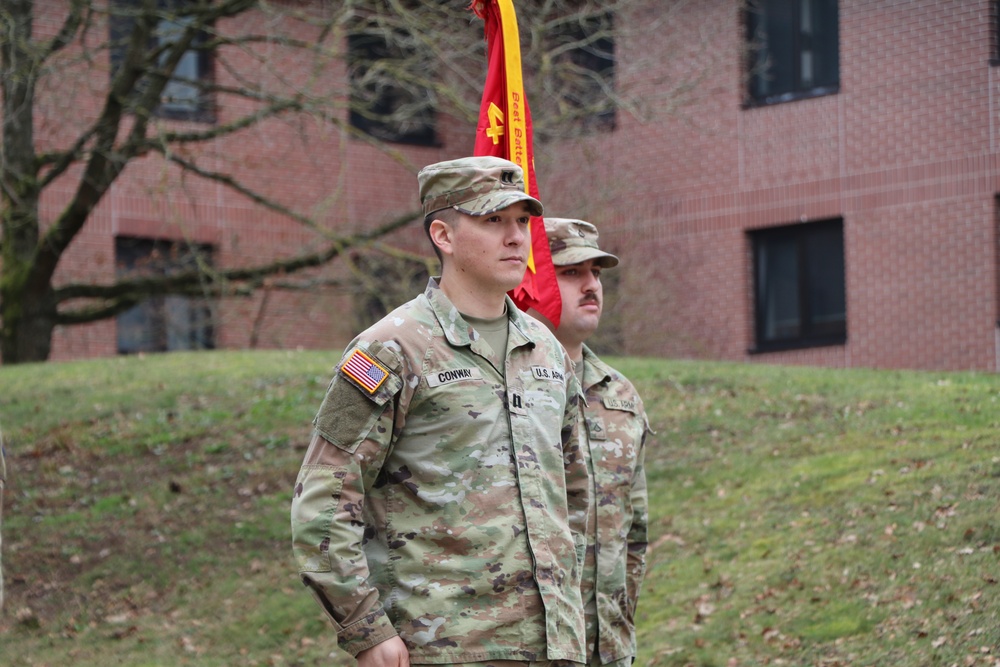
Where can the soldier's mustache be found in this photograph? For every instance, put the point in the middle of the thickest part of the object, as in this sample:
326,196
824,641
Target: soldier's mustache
590,298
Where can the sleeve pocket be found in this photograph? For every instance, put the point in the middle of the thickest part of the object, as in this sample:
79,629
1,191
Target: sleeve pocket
317,494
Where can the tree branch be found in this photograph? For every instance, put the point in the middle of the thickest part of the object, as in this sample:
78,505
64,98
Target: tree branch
68,30
278,106
231,182
183,282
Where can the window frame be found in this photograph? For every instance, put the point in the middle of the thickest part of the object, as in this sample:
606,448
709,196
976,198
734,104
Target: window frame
994,23
156,310
426,134
596,56
753,99
811,334
120,26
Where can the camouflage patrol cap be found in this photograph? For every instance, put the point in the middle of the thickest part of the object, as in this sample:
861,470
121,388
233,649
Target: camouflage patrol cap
575,241
474,185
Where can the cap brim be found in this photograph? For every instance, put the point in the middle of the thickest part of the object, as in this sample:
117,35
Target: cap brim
492,202
569,256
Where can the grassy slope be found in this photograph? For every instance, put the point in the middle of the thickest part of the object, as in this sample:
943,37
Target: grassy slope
799,516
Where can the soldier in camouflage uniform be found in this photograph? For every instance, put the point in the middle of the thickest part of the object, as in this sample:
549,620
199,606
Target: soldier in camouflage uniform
616,428
3,480
432,514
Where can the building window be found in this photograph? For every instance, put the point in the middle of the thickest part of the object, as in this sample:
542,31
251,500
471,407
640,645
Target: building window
799,289
388,98
793,49
163,323
584,65
995,32
185,95
182,94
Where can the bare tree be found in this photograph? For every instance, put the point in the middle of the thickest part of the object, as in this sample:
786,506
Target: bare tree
401,62
3,481
147,43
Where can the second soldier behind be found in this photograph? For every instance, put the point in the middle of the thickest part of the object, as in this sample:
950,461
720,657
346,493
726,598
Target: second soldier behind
616,433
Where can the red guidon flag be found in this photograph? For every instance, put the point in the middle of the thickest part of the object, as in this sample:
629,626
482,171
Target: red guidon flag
504,130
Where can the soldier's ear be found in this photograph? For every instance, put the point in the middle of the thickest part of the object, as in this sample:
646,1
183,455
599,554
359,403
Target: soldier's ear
442,235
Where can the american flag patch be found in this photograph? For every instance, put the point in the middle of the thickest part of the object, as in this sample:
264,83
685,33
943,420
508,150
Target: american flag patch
365,371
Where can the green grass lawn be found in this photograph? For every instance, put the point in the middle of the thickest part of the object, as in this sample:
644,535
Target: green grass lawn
798,516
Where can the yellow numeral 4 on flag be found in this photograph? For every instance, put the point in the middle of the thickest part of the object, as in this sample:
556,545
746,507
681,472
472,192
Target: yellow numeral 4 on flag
495,130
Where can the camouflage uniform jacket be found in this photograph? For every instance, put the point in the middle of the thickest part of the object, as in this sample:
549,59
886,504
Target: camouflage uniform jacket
3,480
437,504
616,546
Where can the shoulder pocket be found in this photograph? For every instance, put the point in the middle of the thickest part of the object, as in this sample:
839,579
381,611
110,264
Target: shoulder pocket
349,412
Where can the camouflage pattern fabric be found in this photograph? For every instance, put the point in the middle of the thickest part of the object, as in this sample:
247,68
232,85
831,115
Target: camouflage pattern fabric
3,480
616,550
438,492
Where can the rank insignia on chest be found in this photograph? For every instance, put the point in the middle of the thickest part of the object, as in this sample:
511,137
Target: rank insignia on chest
515,403
365,371
595,428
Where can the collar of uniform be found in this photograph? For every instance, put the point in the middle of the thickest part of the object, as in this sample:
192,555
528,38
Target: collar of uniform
595,371
519,332
456,329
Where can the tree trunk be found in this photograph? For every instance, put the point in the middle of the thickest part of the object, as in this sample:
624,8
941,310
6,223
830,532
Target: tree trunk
27,302
28,323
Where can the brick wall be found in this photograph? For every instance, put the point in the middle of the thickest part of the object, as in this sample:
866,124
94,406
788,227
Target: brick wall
906,153
303,163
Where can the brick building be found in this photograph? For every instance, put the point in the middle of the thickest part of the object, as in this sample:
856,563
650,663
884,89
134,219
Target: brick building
835,205
825,194
154,215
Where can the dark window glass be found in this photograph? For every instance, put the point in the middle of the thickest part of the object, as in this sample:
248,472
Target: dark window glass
584,51
793,49
185,95
163,323
182,94
995,32
387,101
799,288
